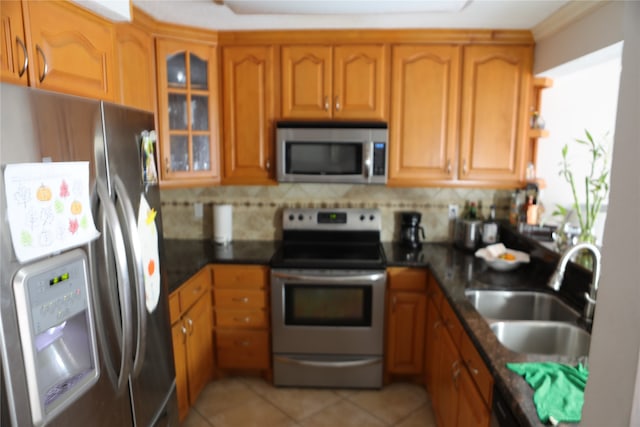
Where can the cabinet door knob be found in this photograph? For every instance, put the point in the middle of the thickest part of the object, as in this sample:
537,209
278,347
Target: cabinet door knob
166,165
326,103
190,322
464,166
338,106
268,165
26,57
449,167
45,68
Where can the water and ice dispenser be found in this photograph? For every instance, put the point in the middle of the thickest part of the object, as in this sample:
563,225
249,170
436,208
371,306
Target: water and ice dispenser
57,332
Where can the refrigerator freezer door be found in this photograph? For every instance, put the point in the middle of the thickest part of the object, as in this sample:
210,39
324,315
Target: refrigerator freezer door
153,377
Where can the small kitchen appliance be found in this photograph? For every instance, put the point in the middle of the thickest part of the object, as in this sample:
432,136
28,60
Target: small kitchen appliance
332,152
327,299
410,230
467,233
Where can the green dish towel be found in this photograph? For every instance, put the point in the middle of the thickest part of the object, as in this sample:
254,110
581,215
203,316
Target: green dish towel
558,389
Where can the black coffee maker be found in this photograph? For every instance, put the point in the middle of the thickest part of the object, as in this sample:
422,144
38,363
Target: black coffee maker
410,229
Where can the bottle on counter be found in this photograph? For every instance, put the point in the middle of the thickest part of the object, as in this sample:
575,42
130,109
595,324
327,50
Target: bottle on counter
490,228
473,211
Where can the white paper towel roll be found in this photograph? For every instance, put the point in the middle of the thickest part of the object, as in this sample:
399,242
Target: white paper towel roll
222,224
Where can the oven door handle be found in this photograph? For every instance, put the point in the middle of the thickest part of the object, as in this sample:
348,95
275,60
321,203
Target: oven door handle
325,364
372,277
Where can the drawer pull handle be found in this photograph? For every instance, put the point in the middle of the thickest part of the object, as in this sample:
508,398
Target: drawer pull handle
244,343
197,290
242,300
242,319
190,323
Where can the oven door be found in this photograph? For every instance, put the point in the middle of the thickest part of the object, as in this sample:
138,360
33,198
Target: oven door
328,311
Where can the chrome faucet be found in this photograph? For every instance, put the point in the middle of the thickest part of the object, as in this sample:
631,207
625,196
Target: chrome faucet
556,279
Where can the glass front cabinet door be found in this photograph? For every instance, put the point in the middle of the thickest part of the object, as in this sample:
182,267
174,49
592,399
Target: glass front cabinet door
187,99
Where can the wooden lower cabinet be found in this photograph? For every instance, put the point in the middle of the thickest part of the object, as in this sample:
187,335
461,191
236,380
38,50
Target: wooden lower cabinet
406,319
458,381
241,318
190,308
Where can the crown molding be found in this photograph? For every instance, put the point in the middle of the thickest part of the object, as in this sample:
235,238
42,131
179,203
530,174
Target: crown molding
566,15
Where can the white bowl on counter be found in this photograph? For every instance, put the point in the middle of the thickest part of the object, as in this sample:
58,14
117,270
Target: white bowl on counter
494,257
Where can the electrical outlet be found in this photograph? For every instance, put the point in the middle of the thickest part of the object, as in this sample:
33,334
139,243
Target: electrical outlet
197,210
453,211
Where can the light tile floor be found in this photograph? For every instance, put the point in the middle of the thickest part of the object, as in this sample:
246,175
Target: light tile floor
247,402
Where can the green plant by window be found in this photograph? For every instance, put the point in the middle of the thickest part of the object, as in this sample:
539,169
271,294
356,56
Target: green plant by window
596,185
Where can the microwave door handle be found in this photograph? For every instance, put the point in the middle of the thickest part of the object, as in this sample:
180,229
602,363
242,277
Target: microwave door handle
368,160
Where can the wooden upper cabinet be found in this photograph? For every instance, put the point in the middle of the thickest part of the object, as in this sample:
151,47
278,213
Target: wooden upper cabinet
423,128
135,67
495,88
306,82
187,112
70,49
13,51
248,114
341,82
360,78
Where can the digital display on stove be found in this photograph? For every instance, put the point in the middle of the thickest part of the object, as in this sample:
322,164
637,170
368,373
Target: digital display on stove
332,217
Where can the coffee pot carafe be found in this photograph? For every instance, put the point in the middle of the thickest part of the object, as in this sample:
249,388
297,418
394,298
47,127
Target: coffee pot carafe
410,229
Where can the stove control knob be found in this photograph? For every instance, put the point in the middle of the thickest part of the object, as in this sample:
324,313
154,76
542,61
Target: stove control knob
300,217
291,217
371,217
361,217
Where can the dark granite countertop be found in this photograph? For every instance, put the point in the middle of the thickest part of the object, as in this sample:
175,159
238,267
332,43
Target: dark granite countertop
454,269
183,258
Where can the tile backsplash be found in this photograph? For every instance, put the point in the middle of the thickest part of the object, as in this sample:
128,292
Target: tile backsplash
257,210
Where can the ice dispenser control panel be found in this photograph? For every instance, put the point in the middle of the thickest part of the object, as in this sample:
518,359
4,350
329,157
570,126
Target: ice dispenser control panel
57,332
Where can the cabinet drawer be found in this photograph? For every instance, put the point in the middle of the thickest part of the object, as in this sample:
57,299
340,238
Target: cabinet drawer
238,298
241,318
451,323
174,307
243,349
407,279
240,276
478,370
191,291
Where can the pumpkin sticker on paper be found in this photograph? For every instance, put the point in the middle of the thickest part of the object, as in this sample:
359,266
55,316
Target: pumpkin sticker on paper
148,234
48,207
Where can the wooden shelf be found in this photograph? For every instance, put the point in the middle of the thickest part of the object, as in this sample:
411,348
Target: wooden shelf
538,133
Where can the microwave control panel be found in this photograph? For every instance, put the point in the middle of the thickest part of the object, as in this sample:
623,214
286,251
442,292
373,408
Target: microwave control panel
379,158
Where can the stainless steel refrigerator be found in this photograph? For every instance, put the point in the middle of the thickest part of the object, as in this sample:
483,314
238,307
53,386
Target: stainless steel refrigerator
110,362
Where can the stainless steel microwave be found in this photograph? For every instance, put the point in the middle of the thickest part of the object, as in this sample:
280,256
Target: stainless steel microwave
332,152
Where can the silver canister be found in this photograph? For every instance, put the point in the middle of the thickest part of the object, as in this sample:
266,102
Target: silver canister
467,233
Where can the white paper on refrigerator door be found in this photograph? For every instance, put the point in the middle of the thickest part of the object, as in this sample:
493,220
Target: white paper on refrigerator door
48,206
148,234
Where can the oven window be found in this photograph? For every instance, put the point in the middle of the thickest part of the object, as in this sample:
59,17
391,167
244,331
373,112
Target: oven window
327,305
323,158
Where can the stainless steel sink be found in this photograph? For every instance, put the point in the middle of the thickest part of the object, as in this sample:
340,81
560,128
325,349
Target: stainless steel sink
538,337
520,305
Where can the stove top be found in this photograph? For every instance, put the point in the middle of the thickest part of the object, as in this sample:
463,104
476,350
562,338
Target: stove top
344,238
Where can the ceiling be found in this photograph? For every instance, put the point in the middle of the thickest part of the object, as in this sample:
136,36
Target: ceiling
354,14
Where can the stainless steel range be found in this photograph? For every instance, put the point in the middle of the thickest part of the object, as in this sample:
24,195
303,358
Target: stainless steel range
327,299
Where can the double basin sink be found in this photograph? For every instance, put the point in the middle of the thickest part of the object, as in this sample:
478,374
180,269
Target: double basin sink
532,322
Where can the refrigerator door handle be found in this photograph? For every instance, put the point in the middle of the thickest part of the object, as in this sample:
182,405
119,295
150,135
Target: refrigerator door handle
136,252
124,291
